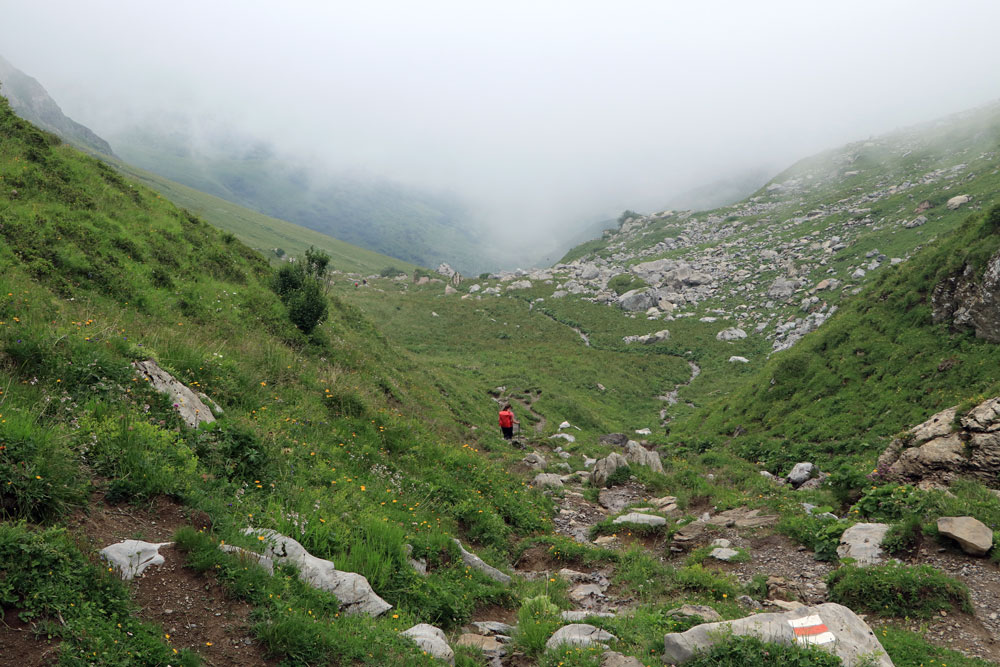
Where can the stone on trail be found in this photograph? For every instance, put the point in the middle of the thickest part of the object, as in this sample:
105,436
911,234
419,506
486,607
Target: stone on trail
641,519
975,538
535,461
352,590
863,543
615,659
636,453
488,645
188,405
565,436
701,610
477,563
547,480
723,554
606,467
131,557
579,635
830,626
432,640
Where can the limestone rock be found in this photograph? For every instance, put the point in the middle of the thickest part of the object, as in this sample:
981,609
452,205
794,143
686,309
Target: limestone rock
547,481
701,610
606,467
250,556
975,538
188,405
724,554
641,519
535,461
639,455
579,635
863,542
616,439
130,558
830,626
477,563
970,299
488,645
615,659
490,628
800,473
577,615
351,589
731,334
957,201
519,284
432,640
741,360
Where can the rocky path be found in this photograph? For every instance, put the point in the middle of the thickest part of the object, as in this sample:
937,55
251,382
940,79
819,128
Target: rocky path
672,397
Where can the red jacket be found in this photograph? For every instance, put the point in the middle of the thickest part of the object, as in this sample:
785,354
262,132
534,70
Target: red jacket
506,418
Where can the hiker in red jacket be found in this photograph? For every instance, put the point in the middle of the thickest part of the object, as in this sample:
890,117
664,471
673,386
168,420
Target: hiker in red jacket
507,422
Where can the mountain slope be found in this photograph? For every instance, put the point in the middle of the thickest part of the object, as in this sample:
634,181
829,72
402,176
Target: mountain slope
30,100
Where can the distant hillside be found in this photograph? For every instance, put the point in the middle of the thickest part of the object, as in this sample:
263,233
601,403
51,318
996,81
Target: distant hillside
411,225
31,101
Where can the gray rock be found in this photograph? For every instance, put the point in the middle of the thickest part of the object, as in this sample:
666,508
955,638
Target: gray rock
490,647
519,284
493,628
477,563
616,439
845,634
606,467
130,558
975,538
250,556
863,542
741,360
702,611
637,300
579,635
535,461
720,553
957,201
351,589
782,288
188,405
577,615
800,473
639,455
731,334
615,659
547,481
641,519
562,436
432,640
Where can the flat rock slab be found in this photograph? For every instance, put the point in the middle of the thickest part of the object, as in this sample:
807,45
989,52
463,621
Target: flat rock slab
547,480
830,626
863,543
641,519
724,554
700,610
488,645
130,558
432,640
579,635
975,537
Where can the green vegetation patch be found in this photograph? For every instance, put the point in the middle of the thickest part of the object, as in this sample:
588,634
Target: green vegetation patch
898,590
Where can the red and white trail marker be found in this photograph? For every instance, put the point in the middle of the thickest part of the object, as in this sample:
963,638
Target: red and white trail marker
811,630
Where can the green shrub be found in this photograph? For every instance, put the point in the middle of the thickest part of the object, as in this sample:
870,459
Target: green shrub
625,282
748,651
821,534
40,476
391,272
621,475
903,538
889,502
482,524
898,590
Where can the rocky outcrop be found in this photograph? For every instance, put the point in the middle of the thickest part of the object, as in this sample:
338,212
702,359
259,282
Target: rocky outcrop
477,563
968,302
606,467
639,455
351,589
830,626
937,451
188,404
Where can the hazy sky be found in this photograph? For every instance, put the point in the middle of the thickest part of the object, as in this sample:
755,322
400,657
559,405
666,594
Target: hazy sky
538,113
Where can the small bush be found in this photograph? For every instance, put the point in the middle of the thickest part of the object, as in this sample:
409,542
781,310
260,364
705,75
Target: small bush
898,590
821,534
625,282
903,538
482,524
619,476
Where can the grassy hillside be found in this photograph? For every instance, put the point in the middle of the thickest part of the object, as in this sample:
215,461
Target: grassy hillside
263,233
